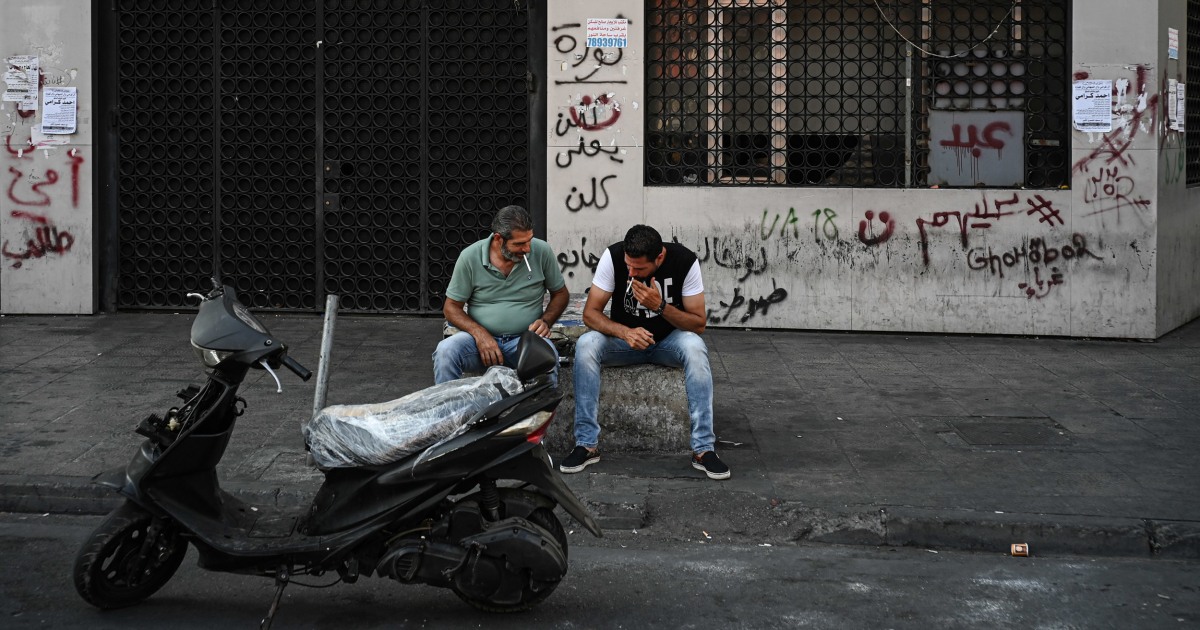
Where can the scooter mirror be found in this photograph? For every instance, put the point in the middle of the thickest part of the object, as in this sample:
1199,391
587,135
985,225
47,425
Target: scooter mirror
534,356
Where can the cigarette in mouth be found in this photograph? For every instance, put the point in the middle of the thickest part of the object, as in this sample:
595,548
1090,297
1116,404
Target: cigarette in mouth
526,259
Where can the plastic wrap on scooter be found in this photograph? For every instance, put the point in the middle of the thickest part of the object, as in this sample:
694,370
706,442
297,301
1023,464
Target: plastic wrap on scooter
375,434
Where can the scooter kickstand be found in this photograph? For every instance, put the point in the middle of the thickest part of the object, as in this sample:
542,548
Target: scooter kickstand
281,582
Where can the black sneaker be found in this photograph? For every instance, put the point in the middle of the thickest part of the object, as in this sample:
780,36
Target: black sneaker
579,459
710,464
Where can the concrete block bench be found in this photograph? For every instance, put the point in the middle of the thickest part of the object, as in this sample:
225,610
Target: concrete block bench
642,407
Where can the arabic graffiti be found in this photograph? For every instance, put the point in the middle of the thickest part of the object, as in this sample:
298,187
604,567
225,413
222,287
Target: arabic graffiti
588,114
33,186
581,256
980,218
1110,191
866,224
973,144
599,198
592,149
731,253
753,306
605,111
45,239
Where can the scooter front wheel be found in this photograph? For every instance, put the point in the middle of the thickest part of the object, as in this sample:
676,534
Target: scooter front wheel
127,559
532,593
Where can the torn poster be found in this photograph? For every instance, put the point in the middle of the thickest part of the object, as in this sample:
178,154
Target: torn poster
21,81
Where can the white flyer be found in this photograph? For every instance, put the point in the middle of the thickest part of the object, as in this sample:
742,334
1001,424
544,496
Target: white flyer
1172,104
1092,105
1181,106
58,109
21,74
607,32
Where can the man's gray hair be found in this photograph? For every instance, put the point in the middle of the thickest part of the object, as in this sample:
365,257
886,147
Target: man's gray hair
509,219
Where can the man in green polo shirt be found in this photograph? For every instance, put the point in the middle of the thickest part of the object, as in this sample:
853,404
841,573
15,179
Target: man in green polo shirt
501,280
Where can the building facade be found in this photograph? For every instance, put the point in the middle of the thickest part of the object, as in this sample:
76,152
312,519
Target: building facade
997,167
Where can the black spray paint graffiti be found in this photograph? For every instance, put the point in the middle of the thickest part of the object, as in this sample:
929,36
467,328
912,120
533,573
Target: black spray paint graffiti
568,262
599,198
591,149
754,306
588,66
730,253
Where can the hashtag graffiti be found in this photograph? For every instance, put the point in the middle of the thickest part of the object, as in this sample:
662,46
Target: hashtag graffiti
1045,209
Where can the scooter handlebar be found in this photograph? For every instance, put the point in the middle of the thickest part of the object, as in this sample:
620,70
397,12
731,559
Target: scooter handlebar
297,369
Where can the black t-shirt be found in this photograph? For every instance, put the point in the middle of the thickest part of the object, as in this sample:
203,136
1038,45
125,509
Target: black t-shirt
625,309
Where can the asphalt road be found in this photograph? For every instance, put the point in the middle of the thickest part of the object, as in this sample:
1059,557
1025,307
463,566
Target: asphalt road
628,581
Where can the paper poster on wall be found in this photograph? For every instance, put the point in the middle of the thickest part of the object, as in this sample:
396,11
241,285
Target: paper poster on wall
1092,110
1181,106
1172,43
58,109
21,81
607,33
1172,105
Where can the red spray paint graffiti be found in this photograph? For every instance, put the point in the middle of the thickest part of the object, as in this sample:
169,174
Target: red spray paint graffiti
44,240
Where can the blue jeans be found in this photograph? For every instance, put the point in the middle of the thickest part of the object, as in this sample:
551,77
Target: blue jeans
679,349
458,353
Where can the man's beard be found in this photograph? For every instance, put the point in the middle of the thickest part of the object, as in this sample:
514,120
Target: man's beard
508,254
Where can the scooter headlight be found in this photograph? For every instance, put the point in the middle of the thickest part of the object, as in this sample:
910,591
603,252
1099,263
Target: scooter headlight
211,357
533,427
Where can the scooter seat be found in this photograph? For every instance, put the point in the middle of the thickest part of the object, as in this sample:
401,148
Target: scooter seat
343,436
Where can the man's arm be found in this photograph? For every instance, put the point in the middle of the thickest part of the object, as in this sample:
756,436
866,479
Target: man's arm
489,350
594,317
554,310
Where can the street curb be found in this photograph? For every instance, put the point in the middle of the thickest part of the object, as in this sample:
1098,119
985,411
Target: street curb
963,530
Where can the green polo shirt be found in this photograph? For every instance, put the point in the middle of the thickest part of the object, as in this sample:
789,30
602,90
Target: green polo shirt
504,306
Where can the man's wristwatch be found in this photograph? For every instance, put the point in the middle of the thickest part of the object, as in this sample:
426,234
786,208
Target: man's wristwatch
662,306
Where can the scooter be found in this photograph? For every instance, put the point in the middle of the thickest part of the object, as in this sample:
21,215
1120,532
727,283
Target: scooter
473,512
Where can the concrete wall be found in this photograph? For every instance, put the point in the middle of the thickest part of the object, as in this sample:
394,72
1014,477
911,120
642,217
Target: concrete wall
1178,265
46,212
1078,262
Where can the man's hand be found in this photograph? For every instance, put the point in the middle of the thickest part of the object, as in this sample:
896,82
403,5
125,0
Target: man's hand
638,338
540,327
647,295
489,350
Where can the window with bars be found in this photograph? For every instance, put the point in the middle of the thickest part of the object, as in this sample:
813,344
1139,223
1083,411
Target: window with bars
1192,99
864,93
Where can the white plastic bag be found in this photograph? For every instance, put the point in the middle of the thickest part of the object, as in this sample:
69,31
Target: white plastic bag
369,435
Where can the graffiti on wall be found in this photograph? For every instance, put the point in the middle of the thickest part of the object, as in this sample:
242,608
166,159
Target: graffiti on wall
590,112
33,186
1110,189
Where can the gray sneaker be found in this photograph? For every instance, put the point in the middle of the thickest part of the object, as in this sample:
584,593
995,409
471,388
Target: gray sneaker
579,459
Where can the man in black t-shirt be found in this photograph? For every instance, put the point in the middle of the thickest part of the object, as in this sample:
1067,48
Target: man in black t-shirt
656,316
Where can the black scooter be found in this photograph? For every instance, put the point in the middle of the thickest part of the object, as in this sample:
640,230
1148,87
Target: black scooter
450,515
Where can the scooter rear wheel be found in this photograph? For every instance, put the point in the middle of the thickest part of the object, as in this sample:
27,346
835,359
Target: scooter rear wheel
120,565
546,520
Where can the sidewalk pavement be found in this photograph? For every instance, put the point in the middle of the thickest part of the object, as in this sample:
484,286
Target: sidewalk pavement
939,441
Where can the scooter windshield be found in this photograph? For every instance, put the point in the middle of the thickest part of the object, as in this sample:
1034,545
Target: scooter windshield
225,327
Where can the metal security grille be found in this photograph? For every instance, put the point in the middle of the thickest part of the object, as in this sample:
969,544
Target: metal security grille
853,92
335,146
1192,114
